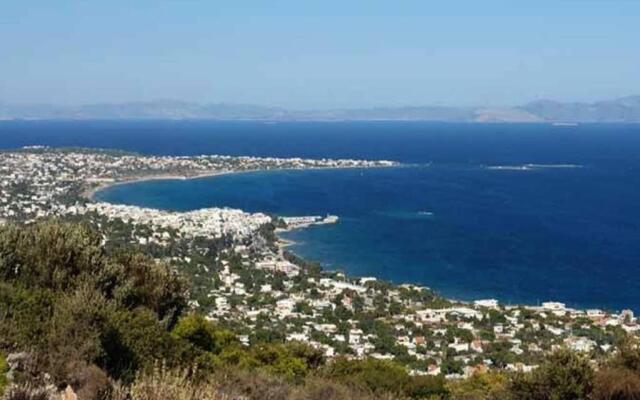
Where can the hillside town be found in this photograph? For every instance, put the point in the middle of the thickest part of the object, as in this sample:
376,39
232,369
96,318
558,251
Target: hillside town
39,182
244,277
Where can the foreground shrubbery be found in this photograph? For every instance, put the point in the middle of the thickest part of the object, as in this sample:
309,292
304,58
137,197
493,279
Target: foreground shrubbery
72,307
74,315
115,326
3,370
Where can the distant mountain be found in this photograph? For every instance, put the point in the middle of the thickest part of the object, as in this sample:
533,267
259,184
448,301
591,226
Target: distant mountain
165,109
626,109
451,114
620,110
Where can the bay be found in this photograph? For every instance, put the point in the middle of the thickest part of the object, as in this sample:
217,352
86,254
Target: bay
567,228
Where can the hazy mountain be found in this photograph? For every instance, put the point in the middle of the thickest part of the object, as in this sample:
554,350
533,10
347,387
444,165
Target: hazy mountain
164,109
620,110
626,109
452,114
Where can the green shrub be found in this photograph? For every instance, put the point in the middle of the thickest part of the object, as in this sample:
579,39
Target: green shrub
4,368
426,387
481,386
49,255
135,340
135,280
24,316
71,304
564,375
203,334
376,375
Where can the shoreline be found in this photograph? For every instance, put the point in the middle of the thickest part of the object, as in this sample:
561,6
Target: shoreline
284,244
88,193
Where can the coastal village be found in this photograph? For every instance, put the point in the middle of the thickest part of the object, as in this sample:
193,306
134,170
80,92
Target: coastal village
244,278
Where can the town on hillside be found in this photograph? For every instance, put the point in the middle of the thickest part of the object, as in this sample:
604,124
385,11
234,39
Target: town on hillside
244,278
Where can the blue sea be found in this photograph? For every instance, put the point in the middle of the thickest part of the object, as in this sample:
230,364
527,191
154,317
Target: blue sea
566,229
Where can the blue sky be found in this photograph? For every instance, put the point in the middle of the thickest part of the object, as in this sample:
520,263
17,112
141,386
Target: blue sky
319,54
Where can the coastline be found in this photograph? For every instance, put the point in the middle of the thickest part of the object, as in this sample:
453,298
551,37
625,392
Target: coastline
243,272
88,193
282,243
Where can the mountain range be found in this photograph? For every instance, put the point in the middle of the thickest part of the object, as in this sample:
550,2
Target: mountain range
622,110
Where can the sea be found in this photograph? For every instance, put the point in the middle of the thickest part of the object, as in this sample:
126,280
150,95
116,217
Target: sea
522,213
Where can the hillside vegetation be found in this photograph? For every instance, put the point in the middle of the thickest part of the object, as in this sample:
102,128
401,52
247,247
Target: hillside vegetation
97,324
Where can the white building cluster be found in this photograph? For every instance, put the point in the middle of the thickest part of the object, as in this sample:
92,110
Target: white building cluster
207,222
38,182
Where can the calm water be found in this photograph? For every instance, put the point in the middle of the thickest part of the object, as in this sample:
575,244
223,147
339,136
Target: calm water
569,234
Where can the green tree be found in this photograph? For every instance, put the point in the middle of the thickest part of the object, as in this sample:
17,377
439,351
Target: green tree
203,334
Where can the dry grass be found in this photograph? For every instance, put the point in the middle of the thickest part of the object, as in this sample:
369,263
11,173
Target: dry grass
166,384
29,392
321,389
617,384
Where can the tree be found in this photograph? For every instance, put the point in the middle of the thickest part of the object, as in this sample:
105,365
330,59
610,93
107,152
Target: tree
202,334
313,357
500,353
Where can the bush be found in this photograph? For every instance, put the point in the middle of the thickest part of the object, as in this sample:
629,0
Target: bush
165,384
71,304
617,384
628,356
135,340
135,280
4,368
565,375
89,381
370,374
252,385
277,359
24,316
49,255
203,334
321,389
492,385
426,387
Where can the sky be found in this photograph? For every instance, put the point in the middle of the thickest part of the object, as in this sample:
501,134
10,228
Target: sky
304,54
